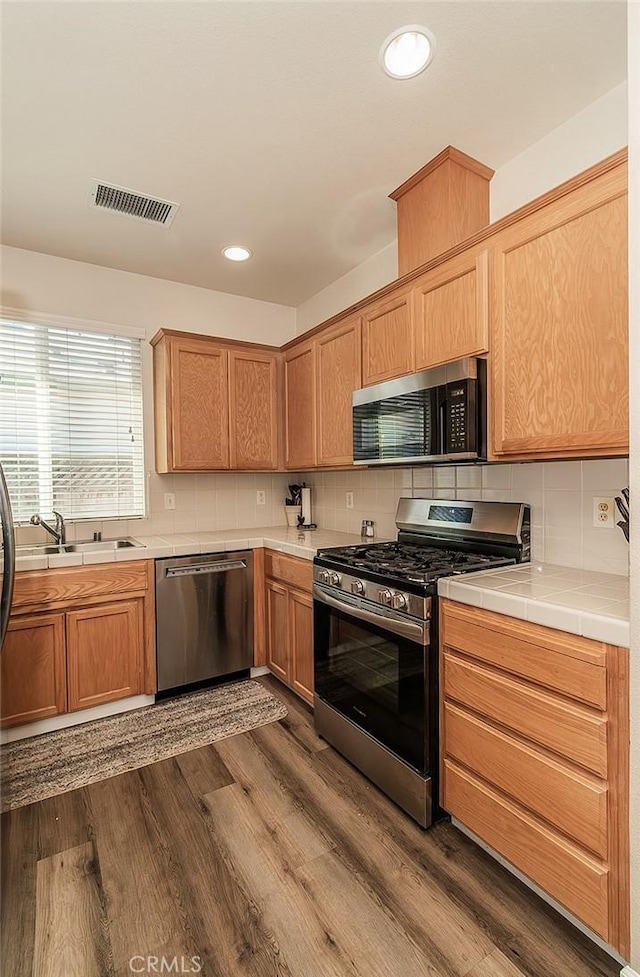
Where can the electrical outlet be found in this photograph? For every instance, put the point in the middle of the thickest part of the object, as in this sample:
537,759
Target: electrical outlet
169,500
261,498
349,500
604,512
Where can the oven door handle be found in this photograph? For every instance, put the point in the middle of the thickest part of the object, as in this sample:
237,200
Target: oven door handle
413,630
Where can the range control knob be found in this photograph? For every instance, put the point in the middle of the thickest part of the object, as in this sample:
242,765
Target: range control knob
334,579
385,597
357,587
398,602
323,576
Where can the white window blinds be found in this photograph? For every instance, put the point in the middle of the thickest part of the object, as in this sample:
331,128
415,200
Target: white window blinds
71,421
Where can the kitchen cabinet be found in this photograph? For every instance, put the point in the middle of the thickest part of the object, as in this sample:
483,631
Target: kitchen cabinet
451,310
277,613
559,326
339,373
289,614
215,403
104,653
253,410
192,431
78,637
387,338
300,406
33,683
534,741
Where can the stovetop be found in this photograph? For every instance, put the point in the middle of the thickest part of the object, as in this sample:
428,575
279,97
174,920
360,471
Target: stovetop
403,563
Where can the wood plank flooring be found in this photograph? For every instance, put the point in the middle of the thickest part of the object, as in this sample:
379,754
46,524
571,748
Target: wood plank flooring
266,855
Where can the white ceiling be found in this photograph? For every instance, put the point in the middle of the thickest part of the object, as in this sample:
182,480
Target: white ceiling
270,123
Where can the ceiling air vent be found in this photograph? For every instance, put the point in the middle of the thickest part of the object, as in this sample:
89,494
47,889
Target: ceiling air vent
132,204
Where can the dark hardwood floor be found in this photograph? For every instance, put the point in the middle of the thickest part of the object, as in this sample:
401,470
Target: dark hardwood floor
266,854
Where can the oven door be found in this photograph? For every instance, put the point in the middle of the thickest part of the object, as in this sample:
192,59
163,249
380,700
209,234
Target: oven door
372,666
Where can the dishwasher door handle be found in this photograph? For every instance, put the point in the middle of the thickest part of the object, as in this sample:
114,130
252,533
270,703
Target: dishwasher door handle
192,571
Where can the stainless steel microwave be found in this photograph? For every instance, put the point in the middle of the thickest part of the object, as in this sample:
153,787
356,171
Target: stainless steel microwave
437,415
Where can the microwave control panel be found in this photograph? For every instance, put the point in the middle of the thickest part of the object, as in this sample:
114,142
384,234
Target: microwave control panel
460,414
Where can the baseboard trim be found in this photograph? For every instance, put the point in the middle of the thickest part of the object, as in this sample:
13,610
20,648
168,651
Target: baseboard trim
74,718
259,670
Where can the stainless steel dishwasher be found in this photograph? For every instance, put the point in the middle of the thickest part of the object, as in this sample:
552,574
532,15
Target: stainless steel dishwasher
204,617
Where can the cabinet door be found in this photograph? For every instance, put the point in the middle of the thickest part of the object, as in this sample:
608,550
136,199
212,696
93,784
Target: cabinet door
387,339
560,327
339,374
253,410
277,630
32,669
104,653
301,643
199,405
300,406
451,311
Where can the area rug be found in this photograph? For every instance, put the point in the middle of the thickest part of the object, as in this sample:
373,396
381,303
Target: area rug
53,763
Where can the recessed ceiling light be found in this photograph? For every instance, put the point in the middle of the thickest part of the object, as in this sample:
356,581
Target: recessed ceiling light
407,51
235,252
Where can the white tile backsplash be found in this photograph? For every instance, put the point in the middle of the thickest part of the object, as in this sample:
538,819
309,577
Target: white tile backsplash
205,502
560,495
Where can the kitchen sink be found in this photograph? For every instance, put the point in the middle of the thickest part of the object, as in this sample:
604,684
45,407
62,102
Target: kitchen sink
91,546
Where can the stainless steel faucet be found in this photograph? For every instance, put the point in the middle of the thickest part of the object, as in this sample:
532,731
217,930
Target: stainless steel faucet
60,531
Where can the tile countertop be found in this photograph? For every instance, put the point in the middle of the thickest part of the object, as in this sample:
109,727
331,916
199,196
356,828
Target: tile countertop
595,605
283,538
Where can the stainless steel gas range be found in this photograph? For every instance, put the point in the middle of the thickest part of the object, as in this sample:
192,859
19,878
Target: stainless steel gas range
376,637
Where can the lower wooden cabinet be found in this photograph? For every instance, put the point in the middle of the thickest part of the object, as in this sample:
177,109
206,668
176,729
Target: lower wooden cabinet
289,622
33,669
78,637
534,748
301,643
104,651
277,613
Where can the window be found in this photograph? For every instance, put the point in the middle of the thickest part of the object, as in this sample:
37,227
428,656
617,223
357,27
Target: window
71,421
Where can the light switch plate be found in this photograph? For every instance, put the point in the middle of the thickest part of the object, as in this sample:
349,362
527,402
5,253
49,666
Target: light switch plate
169,500
261,498
349,500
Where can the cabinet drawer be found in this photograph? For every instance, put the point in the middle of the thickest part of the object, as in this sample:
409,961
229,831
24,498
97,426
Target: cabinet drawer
76,583
575,879
563,662
289,569
573,802
571,730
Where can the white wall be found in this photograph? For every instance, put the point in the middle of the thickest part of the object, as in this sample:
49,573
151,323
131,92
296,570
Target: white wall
583,140
634,464
378,270
58,286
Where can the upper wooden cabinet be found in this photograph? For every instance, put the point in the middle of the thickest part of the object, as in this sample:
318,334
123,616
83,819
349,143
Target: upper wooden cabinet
191,394
253,410
387,338
451,311
300,405
339,373
215,404
439,206
560,327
